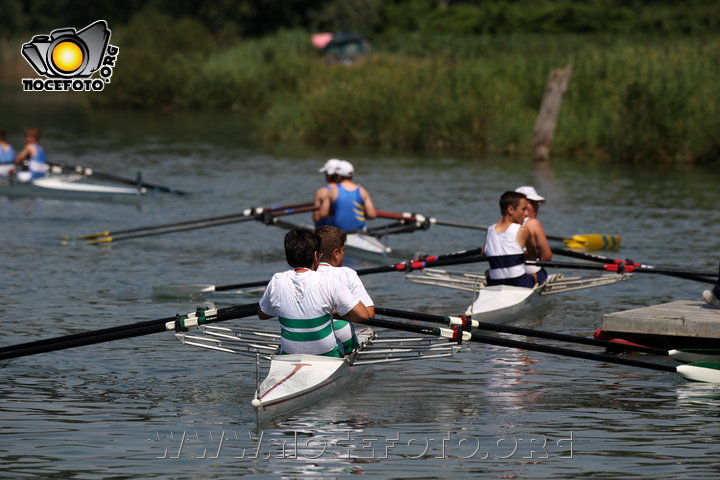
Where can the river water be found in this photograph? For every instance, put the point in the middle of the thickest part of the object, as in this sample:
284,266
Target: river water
150,407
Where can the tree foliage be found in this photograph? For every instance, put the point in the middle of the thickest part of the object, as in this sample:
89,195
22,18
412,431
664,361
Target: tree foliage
229,19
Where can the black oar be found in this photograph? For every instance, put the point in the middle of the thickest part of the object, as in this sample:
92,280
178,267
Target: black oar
607,260
589,241
258,216
177,323
629,268
467,324
702,371
455,258
248,212
89,172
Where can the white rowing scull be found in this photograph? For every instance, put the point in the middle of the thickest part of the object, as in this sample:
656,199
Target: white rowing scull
67,187
504,303
297,380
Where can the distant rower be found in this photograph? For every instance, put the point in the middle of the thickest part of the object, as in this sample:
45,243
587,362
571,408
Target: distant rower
347,205
33,156
7,156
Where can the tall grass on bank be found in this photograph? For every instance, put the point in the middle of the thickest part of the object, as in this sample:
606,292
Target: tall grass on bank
630,99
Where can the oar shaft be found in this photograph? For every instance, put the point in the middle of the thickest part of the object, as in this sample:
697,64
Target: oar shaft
466,256
258,216
248,212
623,267
607,260
77,336
89,172
79,342
593,241
504,342
412,265
114,333
528,332
195,226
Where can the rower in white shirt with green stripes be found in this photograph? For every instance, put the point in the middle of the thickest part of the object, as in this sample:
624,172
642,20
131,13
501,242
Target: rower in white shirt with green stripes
332,255
304,300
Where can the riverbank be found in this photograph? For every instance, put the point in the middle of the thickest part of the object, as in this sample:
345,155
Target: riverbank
640,100
629,100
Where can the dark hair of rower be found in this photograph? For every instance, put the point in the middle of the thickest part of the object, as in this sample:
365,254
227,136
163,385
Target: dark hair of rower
300,248
510,199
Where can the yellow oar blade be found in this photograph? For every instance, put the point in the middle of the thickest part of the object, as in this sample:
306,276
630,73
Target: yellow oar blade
594,241
100,241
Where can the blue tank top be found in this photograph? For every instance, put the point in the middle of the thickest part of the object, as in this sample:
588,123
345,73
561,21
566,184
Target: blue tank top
7,156
38,164
329,220
349,210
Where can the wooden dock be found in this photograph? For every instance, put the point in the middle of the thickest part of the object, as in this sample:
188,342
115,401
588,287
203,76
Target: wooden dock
680,324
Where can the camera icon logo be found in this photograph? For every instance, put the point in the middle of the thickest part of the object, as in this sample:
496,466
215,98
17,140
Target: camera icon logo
68,58
66,53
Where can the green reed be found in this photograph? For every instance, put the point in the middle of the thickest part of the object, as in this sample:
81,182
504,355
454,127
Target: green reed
630,99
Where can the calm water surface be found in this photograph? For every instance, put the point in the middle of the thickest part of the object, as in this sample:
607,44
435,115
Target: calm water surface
150,407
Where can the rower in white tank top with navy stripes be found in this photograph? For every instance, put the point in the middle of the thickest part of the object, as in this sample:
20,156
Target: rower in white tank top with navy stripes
508,242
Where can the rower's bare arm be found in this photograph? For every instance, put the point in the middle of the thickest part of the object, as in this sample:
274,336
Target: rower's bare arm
321,196
371,311
325,204
262,315
358,313
525,240
370,211
541,243
26,152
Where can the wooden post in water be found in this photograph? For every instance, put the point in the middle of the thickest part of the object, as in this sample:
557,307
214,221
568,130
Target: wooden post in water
547,117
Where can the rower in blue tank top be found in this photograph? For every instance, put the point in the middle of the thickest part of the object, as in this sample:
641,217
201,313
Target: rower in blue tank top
33,155
348,205
7,156
322,194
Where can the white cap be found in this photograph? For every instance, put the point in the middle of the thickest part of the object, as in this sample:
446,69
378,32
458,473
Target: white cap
330,166
530,193
345,169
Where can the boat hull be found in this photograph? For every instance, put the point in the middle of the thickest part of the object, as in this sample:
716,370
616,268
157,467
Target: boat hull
298,380
66,187
362,244
505,303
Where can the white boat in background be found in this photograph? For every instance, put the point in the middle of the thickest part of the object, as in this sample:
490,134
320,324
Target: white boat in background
297,380
365,244
504,303
68,187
